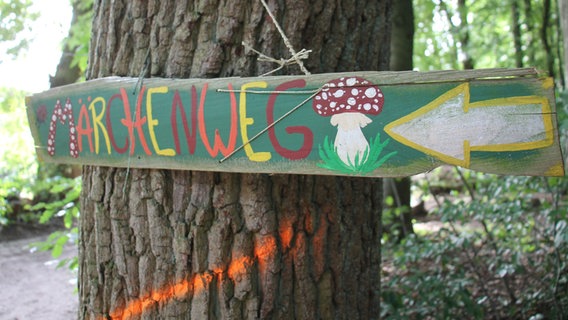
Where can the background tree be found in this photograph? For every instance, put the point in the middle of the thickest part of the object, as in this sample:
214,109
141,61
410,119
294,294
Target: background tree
73,60
563,8
495,34
159,243
397,192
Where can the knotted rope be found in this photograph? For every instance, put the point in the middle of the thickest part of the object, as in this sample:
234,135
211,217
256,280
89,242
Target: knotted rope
296,57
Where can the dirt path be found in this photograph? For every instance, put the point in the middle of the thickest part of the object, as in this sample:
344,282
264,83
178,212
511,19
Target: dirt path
30,285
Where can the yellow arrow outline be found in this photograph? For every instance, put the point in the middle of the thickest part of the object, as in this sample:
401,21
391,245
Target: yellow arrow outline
464,89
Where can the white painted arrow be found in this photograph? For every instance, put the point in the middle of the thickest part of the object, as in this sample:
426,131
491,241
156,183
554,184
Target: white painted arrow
450,127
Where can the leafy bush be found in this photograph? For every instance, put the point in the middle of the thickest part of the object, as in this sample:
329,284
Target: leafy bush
501,253
28,194
17,161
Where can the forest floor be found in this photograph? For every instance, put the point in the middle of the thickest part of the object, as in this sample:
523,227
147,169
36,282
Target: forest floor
31,286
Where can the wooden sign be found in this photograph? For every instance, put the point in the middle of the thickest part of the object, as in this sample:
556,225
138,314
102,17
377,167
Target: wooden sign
374,124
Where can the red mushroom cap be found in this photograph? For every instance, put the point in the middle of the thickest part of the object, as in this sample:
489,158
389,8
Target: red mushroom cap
348,94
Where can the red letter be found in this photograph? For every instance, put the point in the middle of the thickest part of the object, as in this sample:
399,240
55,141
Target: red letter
306,148
84,131
127,122
122,96
63,115
225,150
190,137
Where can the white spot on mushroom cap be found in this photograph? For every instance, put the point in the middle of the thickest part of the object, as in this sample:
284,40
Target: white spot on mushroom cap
351,81
371,92
351,101
338,93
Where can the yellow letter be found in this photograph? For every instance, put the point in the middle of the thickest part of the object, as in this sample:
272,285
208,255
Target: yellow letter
153,122
245,122
98,124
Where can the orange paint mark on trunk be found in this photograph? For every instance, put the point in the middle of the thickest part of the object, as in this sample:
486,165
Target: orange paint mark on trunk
286,231
239,267
265,251
195,285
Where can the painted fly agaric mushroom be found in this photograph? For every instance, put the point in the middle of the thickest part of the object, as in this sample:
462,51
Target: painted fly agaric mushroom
348,100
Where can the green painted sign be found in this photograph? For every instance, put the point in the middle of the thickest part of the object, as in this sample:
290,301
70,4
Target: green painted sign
362,123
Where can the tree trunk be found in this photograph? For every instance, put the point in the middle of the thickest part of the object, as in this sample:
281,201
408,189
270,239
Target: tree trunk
402,41
158,244
563,9
402,47
529,23
516,29
463,35
544,38
66,72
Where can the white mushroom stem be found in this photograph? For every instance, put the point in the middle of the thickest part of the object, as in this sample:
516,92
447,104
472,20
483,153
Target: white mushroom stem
350,142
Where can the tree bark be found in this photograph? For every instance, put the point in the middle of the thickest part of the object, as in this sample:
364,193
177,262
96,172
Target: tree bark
66,72
516,30
563,9
157,244
402,48
463,35
544,38
402,40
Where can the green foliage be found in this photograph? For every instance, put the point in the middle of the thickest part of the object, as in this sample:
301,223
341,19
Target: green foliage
502,251
56,197
66,206
56,243
26,196
80,32
17,161
393,219
370,161
14,18
442,40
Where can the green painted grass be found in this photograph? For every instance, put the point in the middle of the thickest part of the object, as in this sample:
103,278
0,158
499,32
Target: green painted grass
331,160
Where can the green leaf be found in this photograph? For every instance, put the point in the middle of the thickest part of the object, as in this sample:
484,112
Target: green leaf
58,246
